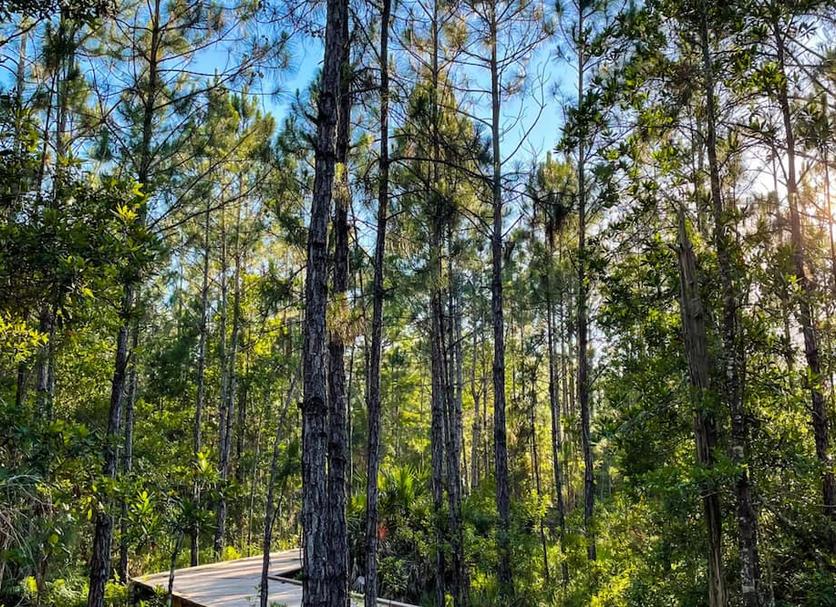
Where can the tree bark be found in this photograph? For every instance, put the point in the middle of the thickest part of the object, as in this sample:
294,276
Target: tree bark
269,510
437,451
128,455
554,408
696,353
337,418
453,452
373,461
503,504
732,364
172,567
806,317
224,412
535,461
476,395
103,534
194,546
438,390
583,318
315,587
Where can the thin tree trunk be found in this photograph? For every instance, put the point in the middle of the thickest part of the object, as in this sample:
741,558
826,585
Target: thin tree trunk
696,352
103,534
454,370
452,446
175,553
732,389
436,351
535,460
805,311
241,423
554,408
100,558
437,431
230,370
583,320
224,413
46,355
476,395
254,474
128,456
373,461
194,547
269,511
503,504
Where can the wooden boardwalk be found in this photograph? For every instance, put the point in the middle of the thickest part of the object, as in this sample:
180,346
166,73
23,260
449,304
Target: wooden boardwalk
235,583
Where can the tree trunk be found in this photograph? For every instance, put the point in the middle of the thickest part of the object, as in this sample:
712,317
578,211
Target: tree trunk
172,567
503,504
315,587
454,369
223,410
46,326
103,534
373,461
269,511
554,408
241,424
438,390
230,370
476,394
338,432
194,547
535,461
128,456
453,452
437,432
732,364
583,320
100,558
696,353
805,310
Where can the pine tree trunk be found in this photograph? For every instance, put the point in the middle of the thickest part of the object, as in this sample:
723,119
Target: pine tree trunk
172,567
315,586
128,455
46,326
583,322
732,364
230,371
454,369
476,394
241,423
438,397
806,317
554,408
437,431
535,459
270,508
194,546
103,534
503,504
373,461
223,412
696,353
453,459
337,429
